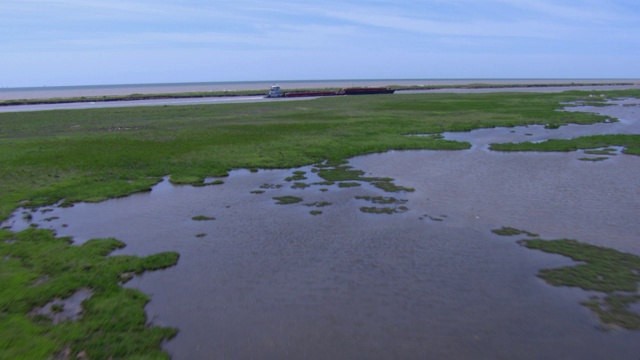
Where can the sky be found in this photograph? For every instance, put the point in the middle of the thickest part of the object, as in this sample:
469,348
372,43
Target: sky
92,42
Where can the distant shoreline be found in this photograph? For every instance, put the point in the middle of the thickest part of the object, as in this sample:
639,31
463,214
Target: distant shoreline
64,94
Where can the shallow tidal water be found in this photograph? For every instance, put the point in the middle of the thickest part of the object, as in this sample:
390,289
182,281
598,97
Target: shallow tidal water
273,281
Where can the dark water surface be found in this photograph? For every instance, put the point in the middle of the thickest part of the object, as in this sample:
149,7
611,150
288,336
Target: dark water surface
273,281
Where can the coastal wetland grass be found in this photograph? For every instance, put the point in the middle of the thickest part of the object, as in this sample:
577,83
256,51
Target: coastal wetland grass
615,274
49,156
38,267
63,157
629,142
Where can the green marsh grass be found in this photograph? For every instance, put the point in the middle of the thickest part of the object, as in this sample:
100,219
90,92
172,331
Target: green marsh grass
69,155
630,143
509,231
287,200
614,273
37,267
202,218
605,151
594,159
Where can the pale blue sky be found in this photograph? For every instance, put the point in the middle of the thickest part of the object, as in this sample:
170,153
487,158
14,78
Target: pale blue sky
84,42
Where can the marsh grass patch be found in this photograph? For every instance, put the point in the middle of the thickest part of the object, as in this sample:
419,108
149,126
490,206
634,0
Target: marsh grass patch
606,151
614,273
383,210
318,204
270,186
594,159
287,200
29,308
509,231
297,176
381,200
202,218
433,218
299,185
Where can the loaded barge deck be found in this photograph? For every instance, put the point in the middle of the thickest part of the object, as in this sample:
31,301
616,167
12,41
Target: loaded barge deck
276,92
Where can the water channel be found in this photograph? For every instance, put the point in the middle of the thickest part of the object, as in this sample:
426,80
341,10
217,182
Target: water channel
273,281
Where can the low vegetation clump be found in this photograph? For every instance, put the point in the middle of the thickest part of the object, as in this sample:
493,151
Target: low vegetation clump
196,182
299,185
346,176
594,159
606,151
381,199
202,218
509,231
433,218
341,173
270,186
37,267
348,184
383,210
297,176
614,310
388,186
286,200
319,204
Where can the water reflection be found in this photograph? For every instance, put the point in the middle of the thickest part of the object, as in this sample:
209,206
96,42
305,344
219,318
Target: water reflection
274,281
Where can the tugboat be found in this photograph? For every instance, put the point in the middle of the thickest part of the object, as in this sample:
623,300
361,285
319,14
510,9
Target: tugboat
275,92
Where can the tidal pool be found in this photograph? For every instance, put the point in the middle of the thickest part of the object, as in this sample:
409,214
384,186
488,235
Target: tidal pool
269,281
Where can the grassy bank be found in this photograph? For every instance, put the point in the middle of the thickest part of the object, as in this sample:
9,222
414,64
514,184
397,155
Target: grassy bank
91,155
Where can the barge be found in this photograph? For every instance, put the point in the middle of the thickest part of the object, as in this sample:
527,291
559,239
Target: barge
276,92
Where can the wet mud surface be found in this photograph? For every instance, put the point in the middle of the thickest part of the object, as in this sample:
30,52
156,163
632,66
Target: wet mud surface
273,281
